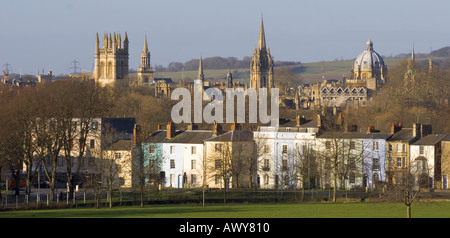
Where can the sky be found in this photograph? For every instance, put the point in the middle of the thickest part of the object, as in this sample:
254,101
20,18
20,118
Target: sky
47,35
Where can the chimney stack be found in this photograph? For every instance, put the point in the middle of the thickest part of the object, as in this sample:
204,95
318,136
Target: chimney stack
170,130
192,126
235,126
217,129
396,126
136,135
420,130
371,129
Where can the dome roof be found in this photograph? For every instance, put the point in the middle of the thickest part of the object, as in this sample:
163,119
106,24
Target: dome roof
369,59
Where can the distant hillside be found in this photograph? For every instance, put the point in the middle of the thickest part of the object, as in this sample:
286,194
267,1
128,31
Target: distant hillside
443,52
215,63
217,67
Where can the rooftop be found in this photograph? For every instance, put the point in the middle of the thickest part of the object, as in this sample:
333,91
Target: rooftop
431,139
236,135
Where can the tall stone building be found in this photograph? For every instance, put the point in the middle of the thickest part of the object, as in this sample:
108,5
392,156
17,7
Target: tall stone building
145,71
261,66
111,61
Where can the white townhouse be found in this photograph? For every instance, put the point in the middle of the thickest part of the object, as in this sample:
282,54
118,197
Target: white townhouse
180,154
278,150
360,158
425,160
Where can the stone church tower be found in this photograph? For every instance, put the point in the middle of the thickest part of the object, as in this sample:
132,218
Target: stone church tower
261,66
111,61
145,71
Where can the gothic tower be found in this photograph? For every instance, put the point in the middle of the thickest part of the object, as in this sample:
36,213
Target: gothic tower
261,66
145,71
111,61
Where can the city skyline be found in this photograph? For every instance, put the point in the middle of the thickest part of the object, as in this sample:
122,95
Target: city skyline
49,35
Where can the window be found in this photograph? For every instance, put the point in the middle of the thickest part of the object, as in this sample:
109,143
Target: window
172,163
352,145
284,165
117,155
266,149
399,162
375,145
92,144
351,163
172,149
172,179
266,165
421,150
352,177
390,162
193,179
376,163
193,163
421,164
218,179
376,177
218,147
404,162
284,149
193,150
327,163
390,148
94,126
218,164
266,179
399,148
328,145
404,148
152,149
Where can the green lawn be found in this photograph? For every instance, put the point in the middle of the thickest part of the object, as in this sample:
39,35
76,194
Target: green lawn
273,210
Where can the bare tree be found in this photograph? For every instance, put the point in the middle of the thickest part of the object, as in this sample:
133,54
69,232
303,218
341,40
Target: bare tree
305,157
342,158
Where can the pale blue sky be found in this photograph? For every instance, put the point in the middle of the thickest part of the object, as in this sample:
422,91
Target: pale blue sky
49,34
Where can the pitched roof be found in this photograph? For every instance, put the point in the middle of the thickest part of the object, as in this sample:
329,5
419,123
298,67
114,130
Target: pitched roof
431,139
405,134
236,135
181,136
354,135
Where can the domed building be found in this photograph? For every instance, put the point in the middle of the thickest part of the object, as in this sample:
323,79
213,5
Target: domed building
368,69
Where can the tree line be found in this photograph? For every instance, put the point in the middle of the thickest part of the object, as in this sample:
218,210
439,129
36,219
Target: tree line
215,63
48,123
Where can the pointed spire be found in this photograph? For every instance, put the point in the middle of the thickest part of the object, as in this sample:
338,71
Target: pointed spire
200,70
413,55
125,42
105,41
145,50
96,43
262,37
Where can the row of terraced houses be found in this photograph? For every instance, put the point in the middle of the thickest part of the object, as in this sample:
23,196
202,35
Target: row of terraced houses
292,154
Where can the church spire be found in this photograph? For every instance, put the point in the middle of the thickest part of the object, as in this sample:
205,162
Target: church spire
145,55
145,50
262,37
200,70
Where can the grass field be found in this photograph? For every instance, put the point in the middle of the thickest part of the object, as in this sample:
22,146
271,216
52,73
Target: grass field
267,210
